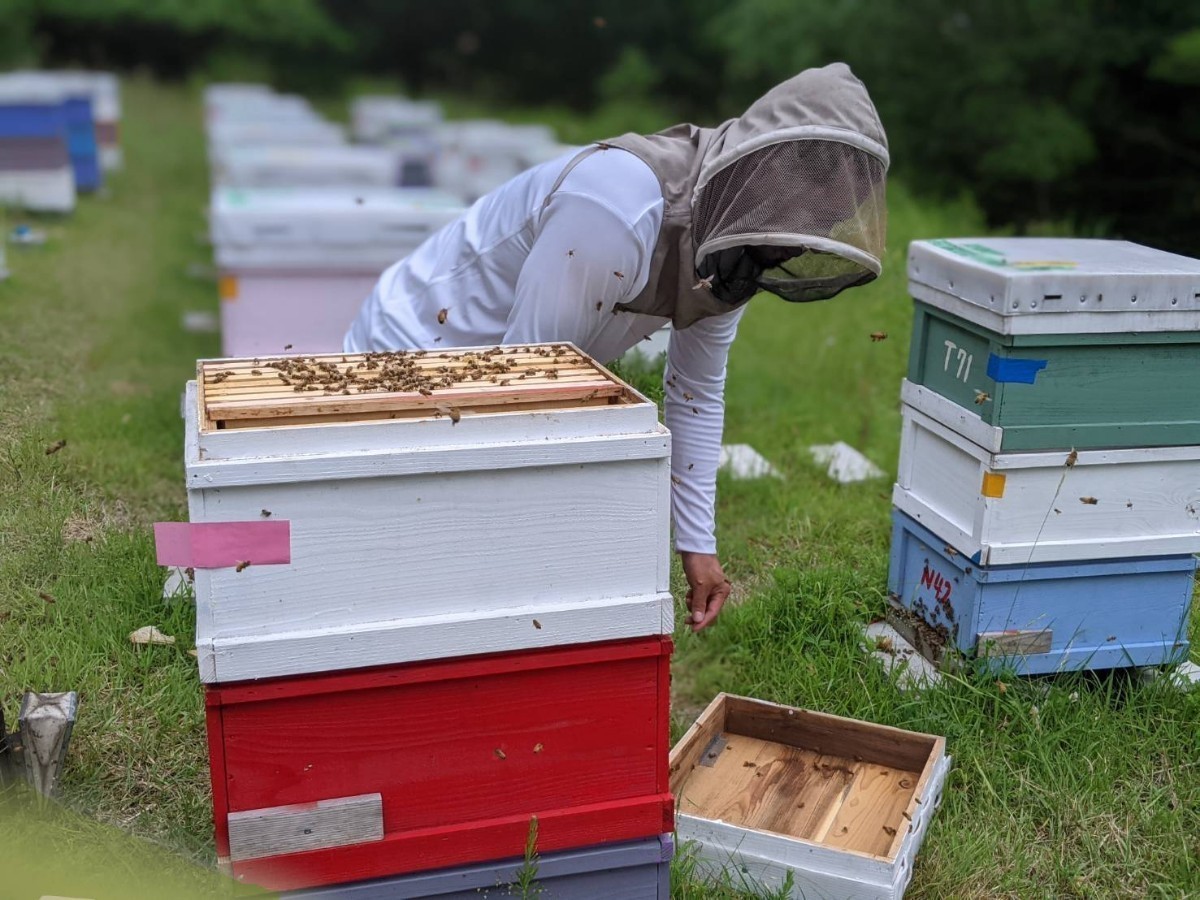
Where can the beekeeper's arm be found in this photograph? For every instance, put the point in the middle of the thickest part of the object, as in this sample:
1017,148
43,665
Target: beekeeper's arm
695,414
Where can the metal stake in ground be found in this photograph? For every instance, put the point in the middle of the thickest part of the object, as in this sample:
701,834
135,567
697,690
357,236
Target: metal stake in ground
45,724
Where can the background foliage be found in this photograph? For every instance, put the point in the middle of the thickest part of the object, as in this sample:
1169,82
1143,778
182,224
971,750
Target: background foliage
1063,110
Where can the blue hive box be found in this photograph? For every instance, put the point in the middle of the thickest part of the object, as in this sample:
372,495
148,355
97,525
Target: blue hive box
635,870
81,142
31,110
1041,618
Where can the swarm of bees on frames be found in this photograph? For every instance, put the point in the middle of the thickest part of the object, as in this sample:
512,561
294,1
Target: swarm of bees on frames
417,371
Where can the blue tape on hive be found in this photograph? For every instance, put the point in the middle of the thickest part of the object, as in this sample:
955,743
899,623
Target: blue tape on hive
1014,371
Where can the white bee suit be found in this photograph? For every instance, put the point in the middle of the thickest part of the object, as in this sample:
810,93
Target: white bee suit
602,247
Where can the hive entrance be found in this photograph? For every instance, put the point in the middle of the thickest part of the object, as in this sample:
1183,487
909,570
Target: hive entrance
351,387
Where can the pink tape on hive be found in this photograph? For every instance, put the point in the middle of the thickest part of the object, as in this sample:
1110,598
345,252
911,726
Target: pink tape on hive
215,545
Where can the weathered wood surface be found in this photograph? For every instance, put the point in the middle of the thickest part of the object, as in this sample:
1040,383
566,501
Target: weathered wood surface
255,833
463,752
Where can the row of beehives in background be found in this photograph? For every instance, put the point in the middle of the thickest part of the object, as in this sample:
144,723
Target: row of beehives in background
58,136
1048,495
258,138
433,623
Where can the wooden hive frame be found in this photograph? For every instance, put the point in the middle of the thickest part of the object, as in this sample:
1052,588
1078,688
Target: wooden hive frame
353,387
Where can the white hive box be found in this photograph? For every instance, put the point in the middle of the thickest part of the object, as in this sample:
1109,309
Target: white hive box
1018,508
478,518
31,108
381,119
1016,286
229,137
284,166
296,264
480,155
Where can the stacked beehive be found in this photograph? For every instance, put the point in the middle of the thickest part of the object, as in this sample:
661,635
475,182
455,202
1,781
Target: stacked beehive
1048,496
432,620
35,162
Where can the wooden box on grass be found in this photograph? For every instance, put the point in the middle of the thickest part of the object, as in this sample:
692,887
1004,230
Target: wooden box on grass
629,870
485,517
1019,508
345,776
1040,618
769,793
1053,391
295,264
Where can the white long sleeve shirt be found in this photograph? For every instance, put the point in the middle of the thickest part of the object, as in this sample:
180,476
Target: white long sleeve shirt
515,270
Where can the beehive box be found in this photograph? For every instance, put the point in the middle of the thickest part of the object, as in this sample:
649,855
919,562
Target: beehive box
284,166
441,503
1046,617
1057,392
296,264
630,870
345,776
35,172
1026,286
770,792
1019,508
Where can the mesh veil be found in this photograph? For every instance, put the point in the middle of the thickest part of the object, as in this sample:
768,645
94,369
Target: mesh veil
823,198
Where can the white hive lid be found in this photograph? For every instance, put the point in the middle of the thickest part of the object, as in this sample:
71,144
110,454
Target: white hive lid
1011,277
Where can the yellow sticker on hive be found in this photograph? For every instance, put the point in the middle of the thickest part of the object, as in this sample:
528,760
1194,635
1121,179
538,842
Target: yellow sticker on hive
993,484
227,287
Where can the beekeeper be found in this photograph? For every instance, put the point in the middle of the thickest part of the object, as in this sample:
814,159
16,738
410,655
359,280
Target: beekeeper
604,246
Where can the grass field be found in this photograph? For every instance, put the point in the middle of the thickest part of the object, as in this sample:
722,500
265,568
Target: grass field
1079,787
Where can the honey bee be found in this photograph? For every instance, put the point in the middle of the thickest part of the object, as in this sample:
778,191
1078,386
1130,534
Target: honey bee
982,397
1090,501
675,479
877,336
47,597
255,372
537,624
538,748
703,283
437,339
570,253
950,551
1072,458
890,830
599,305
695,412
56,446
243,564
442,313
190,573
691,466
266,513
500,754
687,396
619,274
287,346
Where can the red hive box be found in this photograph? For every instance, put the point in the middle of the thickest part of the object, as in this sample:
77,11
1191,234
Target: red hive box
337,777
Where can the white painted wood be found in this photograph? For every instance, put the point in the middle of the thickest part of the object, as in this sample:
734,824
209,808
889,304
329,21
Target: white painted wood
242,657
43,190
758,859
1148,499
910,669
845,464
276,830
442,540
1057,285
257,166
949,413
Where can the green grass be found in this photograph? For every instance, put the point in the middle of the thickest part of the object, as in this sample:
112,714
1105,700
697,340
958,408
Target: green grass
1078,786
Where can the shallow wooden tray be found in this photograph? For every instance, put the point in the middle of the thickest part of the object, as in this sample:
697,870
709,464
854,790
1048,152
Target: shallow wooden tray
351,387
839,804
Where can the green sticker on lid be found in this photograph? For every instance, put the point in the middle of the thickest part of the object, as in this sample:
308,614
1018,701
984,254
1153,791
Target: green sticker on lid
981,253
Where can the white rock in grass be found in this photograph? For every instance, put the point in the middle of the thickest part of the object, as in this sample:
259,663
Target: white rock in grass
1184,676
846,465
912,670
150,635
199,321
743,461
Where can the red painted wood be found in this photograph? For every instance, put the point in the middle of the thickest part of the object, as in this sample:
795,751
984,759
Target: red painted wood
431,848
216,774
464,752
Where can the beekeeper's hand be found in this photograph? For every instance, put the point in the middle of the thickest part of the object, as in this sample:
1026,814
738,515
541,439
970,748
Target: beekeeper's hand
708,588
